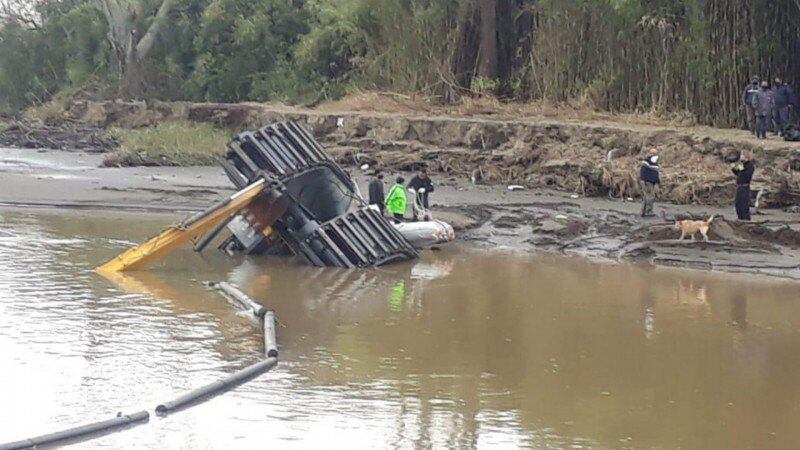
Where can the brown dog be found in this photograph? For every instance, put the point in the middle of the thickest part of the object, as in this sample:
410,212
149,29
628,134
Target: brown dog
691,227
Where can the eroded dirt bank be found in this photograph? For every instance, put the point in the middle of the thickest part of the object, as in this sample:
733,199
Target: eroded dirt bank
594,158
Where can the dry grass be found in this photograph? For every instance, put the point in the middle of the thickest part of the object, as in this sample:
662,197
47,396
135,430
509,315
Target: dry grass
169,144
51,112
578,110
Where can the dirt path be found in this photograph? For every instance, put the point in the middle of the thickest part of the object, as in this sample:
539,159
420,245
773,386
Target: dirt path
528,220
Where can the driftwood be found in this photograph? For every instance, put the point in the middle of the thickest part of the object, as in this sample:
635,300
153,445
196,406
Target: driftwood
66,136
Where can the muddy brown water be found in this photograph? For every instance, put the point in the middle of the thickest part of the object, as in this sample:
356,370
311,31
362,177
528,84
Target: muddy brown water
464,348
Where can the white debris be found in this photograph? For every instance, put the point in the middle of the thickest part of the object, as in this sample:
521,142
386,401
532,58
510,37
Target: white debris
561,217
515,187
340,122
574,196
364,166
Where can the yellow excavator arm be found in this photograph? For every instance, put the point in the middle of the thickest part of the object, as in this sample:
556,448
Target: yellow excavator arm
173,237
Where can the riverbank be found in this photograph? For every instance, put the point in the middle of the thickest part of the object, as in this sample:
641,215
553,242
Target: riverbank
593,154
530,220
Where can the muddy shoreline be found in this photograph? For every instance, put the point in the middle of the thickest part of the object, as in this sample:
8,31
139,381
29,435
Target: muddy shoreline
531,220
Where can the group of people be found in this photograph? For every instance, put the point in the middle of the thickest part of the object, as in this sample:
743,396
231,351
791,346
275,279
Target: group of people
396,202
769,108
743,169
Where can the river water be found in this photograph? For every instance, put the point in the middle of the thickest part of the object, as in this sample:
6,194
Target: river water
464,348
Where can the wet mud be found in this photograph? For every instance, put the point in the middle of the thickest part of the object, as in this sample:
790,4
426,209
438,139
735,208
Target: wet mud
531,220
762,246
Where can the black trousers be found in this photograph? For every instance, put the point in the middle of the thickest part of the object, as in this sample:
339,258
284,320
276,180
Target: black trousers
742,202
398,217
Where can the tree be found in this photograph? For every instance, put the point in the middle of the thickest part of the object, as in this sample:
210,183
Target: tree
130,46
487,55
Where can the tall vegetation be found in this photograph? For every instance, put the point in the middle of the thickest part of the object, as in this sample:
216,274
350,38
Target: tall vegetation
689,56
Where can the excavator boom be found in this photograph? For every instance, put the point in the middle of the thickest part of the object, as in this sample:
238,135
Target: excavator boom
173,237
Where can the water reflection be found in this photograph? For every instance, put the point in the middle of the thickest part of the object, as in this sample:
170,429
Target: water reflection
739,310
462,349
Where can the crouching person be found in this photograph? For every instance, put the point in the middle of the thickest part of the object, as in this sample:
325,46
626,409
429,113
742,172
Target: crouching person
420,187
650,177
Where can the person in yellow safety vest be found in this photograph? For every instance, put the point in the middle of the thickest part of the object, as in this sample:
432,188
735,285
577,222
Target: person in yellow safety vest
396,200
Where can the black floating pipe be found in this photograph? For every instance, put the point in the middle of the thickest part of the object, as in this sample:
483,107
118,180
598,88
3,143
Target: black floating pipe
270,341
241,298
212,234
217,387
77,433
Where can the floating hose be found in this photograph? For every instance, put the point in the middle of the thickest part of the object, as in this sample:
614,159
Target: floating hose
235,379
270,340
77,433
218,387
188,399
241,298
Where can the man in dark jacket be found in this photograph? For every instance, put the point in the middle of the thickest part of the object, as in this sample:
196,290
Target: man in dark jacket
763,103
743,170
376,196
747,100
422,185
784,101
650,177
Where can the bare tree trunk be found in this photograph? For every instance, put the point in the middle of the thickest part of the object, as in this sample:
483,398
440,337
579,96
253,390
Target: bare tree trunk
487,62
130,47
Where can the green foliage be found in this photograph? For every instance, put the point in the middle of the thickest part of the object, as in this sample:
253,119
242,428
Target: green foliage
665,56
484,85
334,49
69,49
243,46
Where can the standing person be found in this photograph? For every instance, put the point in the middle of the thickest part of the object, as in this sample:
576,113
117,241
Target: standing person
747,99
396,201
649,175
784,101
763,103
376,196
744,175
421,185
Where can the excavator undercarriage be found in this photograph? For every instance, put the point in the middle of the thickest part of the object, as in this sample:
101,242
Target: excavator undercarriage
292,198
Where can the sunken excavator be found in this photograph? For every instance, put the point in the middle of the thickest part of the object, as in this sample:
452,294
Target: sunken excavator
292,198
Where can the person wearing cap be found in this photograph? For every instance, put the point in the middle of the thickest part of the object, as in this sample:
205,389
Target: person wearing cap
650,177
763,102
376,195
747,100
